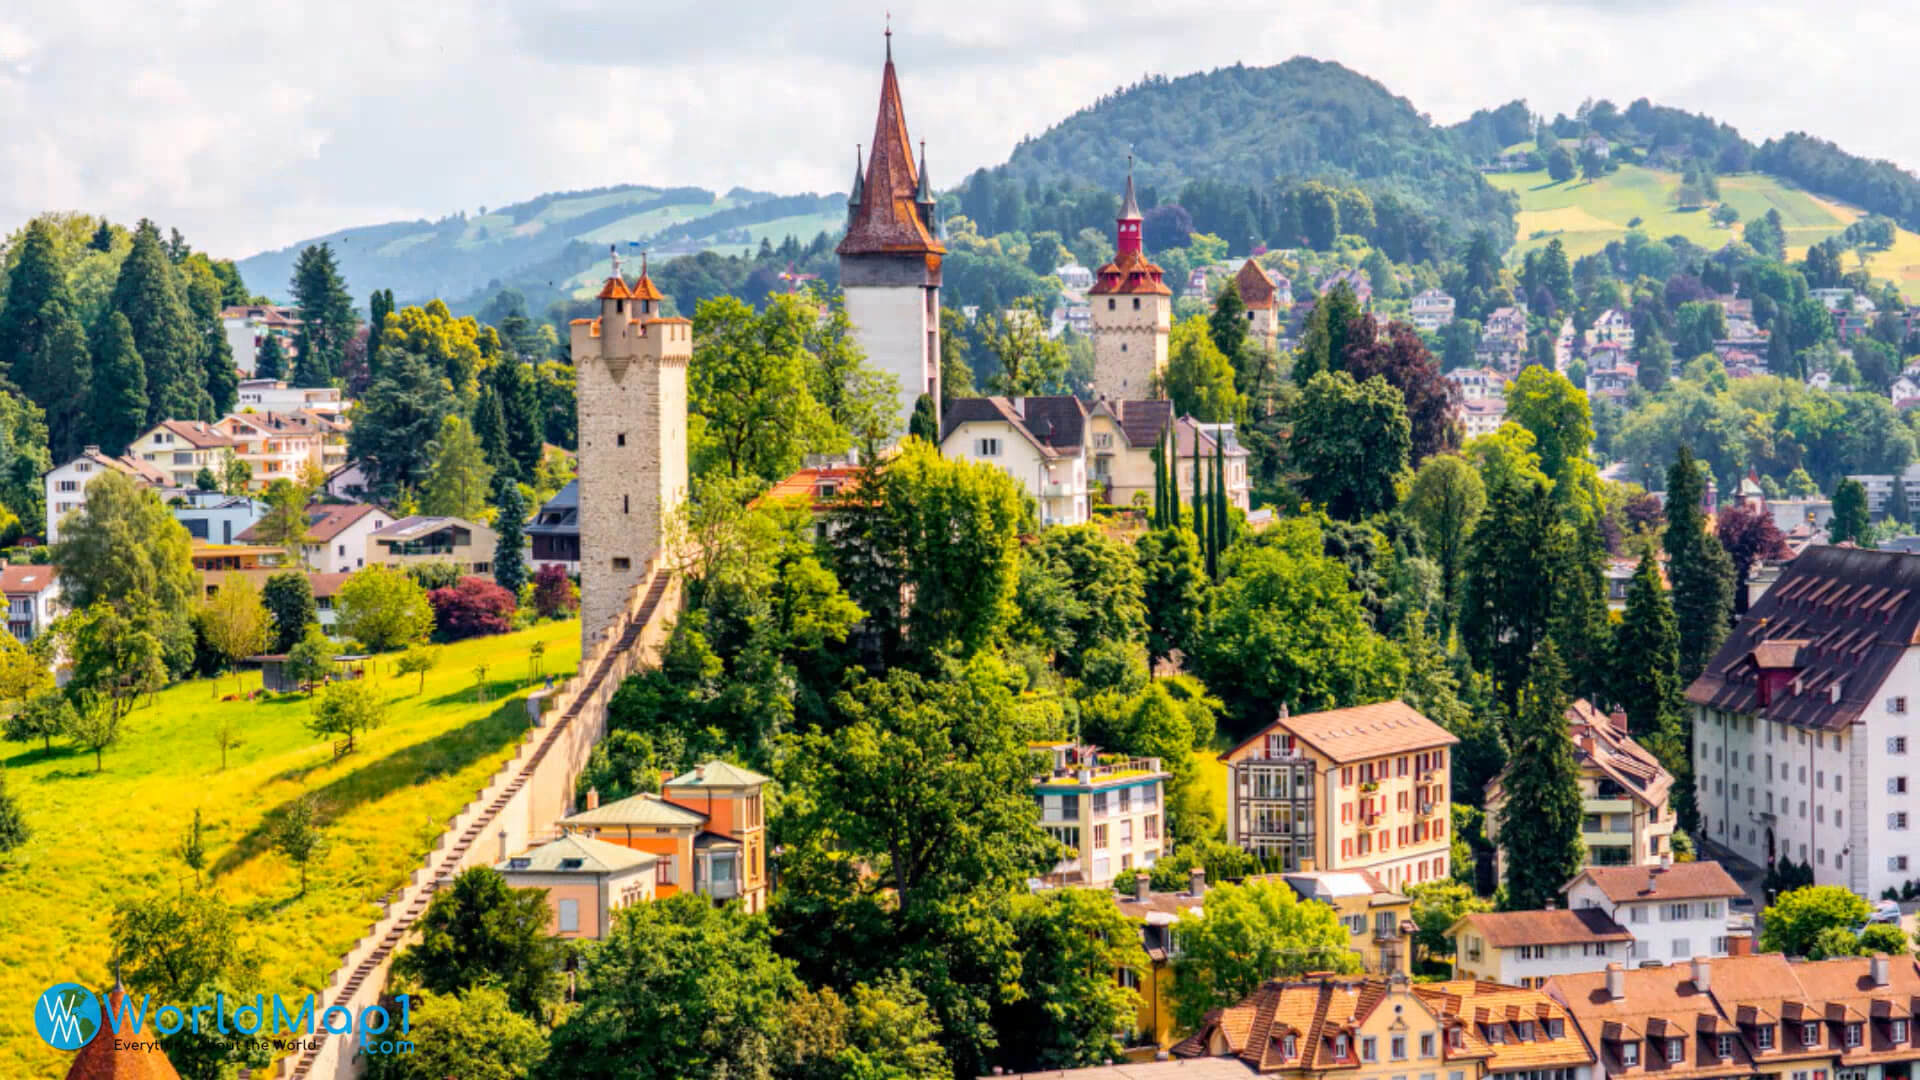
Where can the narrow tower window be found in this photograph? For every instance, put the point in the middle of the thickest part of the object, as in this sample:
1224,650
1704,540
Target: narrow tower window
620,439
626,504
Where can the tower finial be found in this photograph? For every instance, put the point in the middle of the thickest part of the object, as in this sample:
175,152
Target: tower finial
643,262
613,256
889,35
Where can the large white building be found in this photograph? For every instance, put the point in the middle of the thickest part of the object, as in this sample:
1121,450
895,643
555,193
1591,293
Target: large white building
67,483
1039,441
1804,741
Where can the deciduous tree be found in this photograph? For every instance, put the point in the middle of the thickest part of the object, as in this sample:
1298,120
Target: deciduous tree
288,597
350,708
473,1034
300,835
1795,920
1850,524
1200,378
235,621
383,609
1350,445
1251,933
1071,942
1174,590
481,931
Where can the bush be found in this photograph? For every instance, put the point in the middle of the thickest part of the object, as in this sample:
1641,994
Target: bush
472,608
435,575
553,593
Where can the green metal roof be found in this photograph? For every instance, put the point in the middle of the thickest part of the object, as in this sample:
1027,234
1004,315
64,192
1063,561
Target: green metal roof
717,774
642,809
577,854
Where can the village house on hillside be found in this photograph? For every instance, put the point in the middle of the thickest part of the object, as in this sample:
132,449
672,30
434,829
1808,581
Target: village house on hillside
1623,794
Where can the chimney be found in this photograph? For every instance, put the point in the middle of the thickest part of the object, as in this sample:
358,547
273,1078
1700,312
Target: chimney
593,798
1616,983
1702,975
1666,860
1142,885
1197,881
1882,973
1740,943
699,772
1548,904
1653,879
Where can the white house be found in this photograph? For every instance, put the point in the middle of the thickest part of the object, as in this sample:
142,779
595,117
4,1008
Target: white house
216,518
337,536
181,448
1674,911
248,327
1804,744
1477,383
33,598
1074,276
1432,310
1039,441
1482,416
1526,948
274,396
67,484
1612,325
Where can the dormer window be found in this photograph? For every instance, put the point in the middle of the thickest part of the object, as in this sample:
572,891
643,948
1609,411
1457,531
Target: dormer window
1289,1046
1556,1028
1339,1046
1526,1030
1676,1050
1763,1036
1724,1046
1629,1054
1853,1035
1897,1031
1495,1034
1809,1034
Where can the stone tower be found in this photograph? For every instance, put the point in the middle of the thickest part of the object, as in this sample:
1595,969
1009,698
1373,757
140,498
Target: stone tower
630,369
890,259
1132,315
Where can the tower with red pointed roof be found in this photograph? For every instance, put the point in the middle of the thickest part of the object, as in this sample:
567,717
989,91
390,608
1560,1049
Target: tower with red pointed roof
1132,314
630,373
890,257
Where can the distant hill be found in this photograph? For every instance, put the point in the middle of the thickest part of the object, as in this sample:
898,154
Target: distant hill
1303,119
544,243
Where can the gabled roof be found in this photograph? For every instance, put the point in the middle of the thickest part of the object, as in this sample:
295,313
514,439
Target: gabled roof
1510,929
1681,881
23,579
1838,618
1141,423
717,774
1189,433
560,515
140,470
326,585
196,433
1056,426
572,854
1602,745
1257,290
324,521
887,220
1359,733
643,809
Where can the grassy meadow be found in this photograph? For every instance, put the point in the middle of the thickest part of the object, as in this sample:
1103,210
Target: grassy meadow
99,838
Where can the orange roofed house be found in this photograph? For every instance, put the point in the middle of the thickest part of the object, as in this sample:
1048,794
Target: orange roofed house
1364,788
1386,1029
708,827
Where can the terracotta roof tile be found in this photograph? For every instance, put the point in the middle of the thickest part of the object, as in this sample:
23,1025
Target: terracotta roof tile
1257,290
1507,929
22,579
887,219
1130,273
1681,881
615,289
1361,732
100,1060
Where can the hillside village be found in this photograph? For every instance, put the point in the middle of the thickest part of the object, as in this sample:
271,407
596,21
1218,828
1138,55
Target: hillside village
1295,628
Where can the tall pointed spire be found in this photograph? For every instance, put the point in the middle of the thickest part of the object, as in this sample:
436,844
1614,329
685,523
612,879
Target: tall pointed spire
859,181
887,219
1130,207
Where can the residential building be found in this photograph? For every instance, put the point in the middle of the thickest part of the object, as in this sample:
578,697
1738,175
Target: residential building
326,589
1263,297
1614,326
337,537
1563,346
1157,913
1121,436
1478,384
890,259
216,517
181,448
1109,811
1482,416
67,484
1364,788
708,827
586,882
33,598
1525,948
216,562
1801,722
1192,437
248,327
348,481
275,446
1388,1029
1039,441
555,530
1132,314
1507,321
1623,794
1074,276
1432,309
274,396
1674,911
1805,512
1378,920
411,541
1615,381
1353,278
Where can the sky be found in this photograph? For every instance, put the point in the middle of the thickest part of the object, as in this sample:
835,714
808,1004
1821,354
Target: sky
252,125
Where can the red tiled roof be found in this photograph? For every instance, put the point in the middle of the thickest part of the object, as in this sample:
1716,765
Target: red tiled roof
887,218
1130,273
24,579
1507,929
1681,881
1257,290
199,435
615,289
1359,733
135,1059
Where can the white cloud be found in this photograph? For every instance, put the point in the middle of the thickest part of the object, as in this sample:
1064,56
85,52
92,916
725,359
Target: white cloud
254,124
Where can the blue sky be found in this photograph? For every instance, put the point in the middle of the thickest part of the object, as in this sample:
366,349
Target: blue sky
250,125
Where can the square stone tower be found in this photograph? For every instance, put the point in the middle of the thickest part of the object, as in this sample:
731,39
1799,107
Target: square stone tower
1132,312
630,370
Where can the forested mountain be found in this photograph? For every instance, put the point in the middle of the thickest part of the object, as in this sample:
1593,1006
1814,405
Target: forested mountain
548,240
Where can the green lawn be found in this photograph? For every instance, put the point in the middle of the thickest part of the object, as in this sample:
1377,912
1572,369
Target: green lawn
101,837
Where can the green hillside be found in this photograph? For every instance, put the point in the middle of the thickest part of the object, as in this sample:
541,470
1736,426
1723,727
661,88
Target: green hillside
1585,215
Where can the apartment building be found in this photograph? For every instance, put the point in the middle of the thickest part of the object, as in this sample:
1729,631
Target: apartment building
1109,811
67,484
586,882
1378,920
1364,788
1432,310
275,396
181,448
1674,912
276,446
1391,1029
707,827
1039,441
1626,819
1802,726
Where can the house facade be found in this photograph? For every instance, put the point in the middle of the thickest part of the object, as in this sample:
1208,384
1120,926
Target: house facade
274,396
1802,727
1360,789
181,448
1156,913
1262,296
555,530
586,882
412,541
1039,441
216,518
1626,819
1674,911
338,536
1432,310
1378,920
1526,948
66,484
707,826
1121,436
33,599
1110,814
275,446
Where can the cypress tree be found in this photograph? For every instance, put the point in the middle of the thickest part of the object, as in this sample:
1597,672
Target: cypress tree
1200,523
509,525
1540,819
1222,517
36,281
1159,488
118,413
1646,652
379,306
1700,569
326,316
921,424
148,293
1172,456
270,362
490,427
520,407
57,375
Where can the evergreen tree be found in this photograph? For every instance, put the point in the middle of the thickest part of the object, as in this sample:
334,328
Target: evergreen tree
57,374
270,360
118,410
1646,652
1850,524
148,294
520,405
460,478
490,427
326,316
1699,567
1170,453
36,280
102,237
1324,338
288,596
1174,588
1507,604
1540,819
1222,520
1581,626
921,424
13,823
1228,323
1200,523
509,525
397,422
222,378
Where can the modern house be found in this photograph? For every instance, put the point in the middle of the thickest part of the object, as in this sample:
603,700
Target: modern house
181,448
586,881
555,530
1110,812
214,562
413,541
1365,788
215,517
274,396
1431,310
1378,920
338,536
1803,745
1623,794
707,826
33,598
67,484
